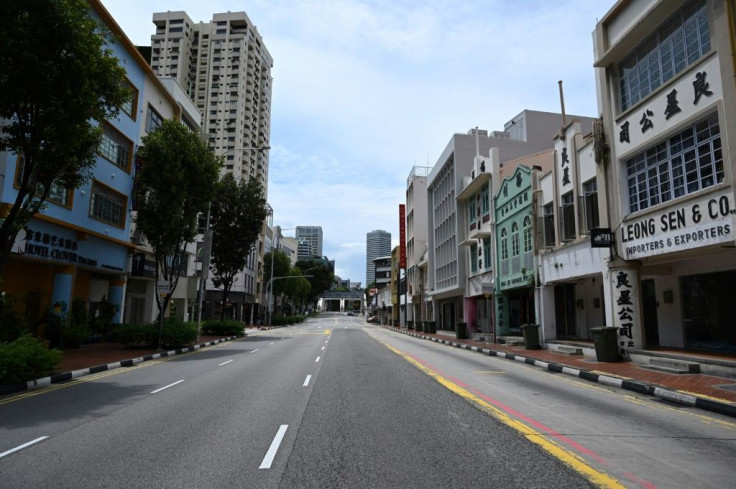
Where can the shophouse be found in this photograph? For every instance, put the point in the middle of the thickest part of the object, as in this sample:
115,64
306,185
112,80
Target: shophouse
416,239
571,271
665,74
460,199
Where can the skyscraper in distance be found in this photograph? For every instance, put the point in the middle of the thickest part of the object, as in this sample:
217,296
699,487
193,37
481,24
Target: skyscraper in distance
310,241
377,243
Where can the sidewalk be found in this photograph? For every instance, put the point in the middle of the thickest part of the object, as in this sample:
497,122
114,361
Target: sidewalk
703,391
99,357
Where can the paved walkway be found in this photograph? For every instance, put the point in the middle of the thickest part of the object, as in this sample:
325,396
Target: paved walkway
703,391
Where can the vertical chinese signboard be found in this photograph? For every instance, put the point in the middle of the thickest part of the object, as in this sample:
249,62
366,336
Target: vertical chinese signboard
402,236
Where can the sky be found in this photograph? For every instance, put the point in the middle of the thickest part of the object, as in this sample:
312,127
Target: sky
363,90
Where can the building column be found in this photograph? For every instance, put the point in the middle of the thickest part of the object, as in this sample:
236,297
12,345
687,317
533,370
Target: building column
61,296
626,304
116,296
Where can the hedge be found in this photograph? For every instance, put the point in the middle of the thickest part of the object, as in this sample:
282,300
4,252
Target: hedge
26,358
175,334
227,327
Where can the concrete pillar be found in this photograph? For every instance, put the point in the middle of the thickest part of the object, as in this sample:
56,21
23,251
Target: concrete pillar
116,296
61,296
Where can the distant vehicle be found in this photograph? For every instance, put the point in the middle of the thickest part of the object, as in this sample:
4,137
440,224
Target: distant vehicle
351,313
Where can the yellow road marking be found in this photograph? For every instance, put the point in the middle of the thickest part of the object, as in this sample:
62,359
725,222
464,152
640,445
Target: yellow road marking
328,331
567,457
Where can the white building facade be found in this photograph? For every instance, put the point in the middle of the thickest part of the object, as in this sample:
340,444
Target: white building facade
665,75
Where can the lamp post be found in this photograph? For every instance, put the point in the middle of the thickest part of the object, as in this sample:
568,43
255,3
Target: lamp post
207,242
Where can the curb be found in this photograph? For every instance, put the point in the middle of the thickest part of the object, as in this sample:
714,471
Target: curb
63,377
653,390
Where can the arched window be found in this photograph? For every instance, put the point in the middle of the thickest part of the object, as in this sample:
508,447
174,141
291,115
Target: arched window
527,234
515,239
504,245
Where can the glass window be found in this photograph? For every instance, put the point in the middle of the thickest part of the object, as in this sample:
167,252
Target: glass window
590,203
484,202
131,103
549,226
115,147
471,211
527,234
515,239
568,217
58,194
687,162
107,205
487,253
153,120
678,42
473,258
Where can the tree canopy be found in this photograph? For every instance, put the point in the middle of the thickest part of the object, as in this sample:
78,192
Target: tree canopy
237,215
321,276
177,180
58,81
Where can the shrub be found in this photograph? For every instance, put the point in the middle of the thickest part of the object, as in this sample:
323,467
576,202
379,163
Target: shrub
178,333
25,359
135,335
228,327
12,325
286,320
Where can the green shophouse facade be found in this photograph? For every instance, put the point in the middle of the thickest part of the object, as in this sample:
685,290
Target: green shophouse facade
514,299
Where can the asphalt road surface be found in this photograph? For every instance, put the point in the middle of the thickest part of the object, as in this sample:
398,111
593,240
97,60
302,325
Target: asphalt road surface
335,402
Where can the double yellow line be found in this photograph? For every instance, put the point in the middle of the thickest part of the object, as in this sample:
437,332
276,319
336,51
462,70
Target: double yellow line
567,457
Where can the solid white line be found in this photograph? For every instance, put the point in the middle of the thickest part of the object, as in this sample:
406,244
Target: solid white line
21,447
306,381
255,350
271,343
271,453
317,360
167,386
225,363
323,347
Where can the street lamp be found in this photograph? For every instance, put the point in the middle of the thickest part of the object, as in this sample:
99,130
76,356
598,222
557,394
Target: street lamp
207,245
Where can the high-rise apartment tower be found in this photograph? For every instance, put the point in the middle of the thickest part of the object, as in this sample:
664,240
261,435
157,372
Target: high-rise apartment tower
225,69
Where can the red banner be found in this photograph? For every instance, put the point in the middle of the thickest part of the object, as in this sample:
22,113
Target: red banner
402,236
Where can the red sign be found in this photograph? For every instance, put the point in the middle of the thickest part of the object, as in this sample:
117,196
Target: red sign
402,236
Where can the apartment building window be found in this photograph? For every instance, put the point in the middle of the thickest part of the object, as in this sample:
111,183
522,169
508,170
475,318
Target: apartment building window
549,225
567,215
115,147
590,205
687,162
514,239
487,253
504,245
676,44
107,205
221,31
471,211
153,120
131,103
527,234
176,29
176,21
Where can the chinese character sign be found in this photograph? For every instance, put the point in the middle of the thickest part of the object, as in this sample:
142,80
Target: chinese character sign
402,236
626,311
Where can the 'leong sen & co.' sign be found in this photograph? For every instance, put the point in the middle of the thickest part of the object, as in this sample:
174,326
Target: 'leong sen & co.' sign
702,222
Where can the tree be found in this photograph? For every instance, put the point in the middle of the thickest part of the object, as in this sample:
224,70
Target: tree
296,290
58,80
321,276
238,212
281,268
177,180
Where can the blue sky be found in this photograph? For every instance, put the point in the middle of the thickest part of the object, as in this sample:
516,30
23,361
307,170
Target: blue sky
364,90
